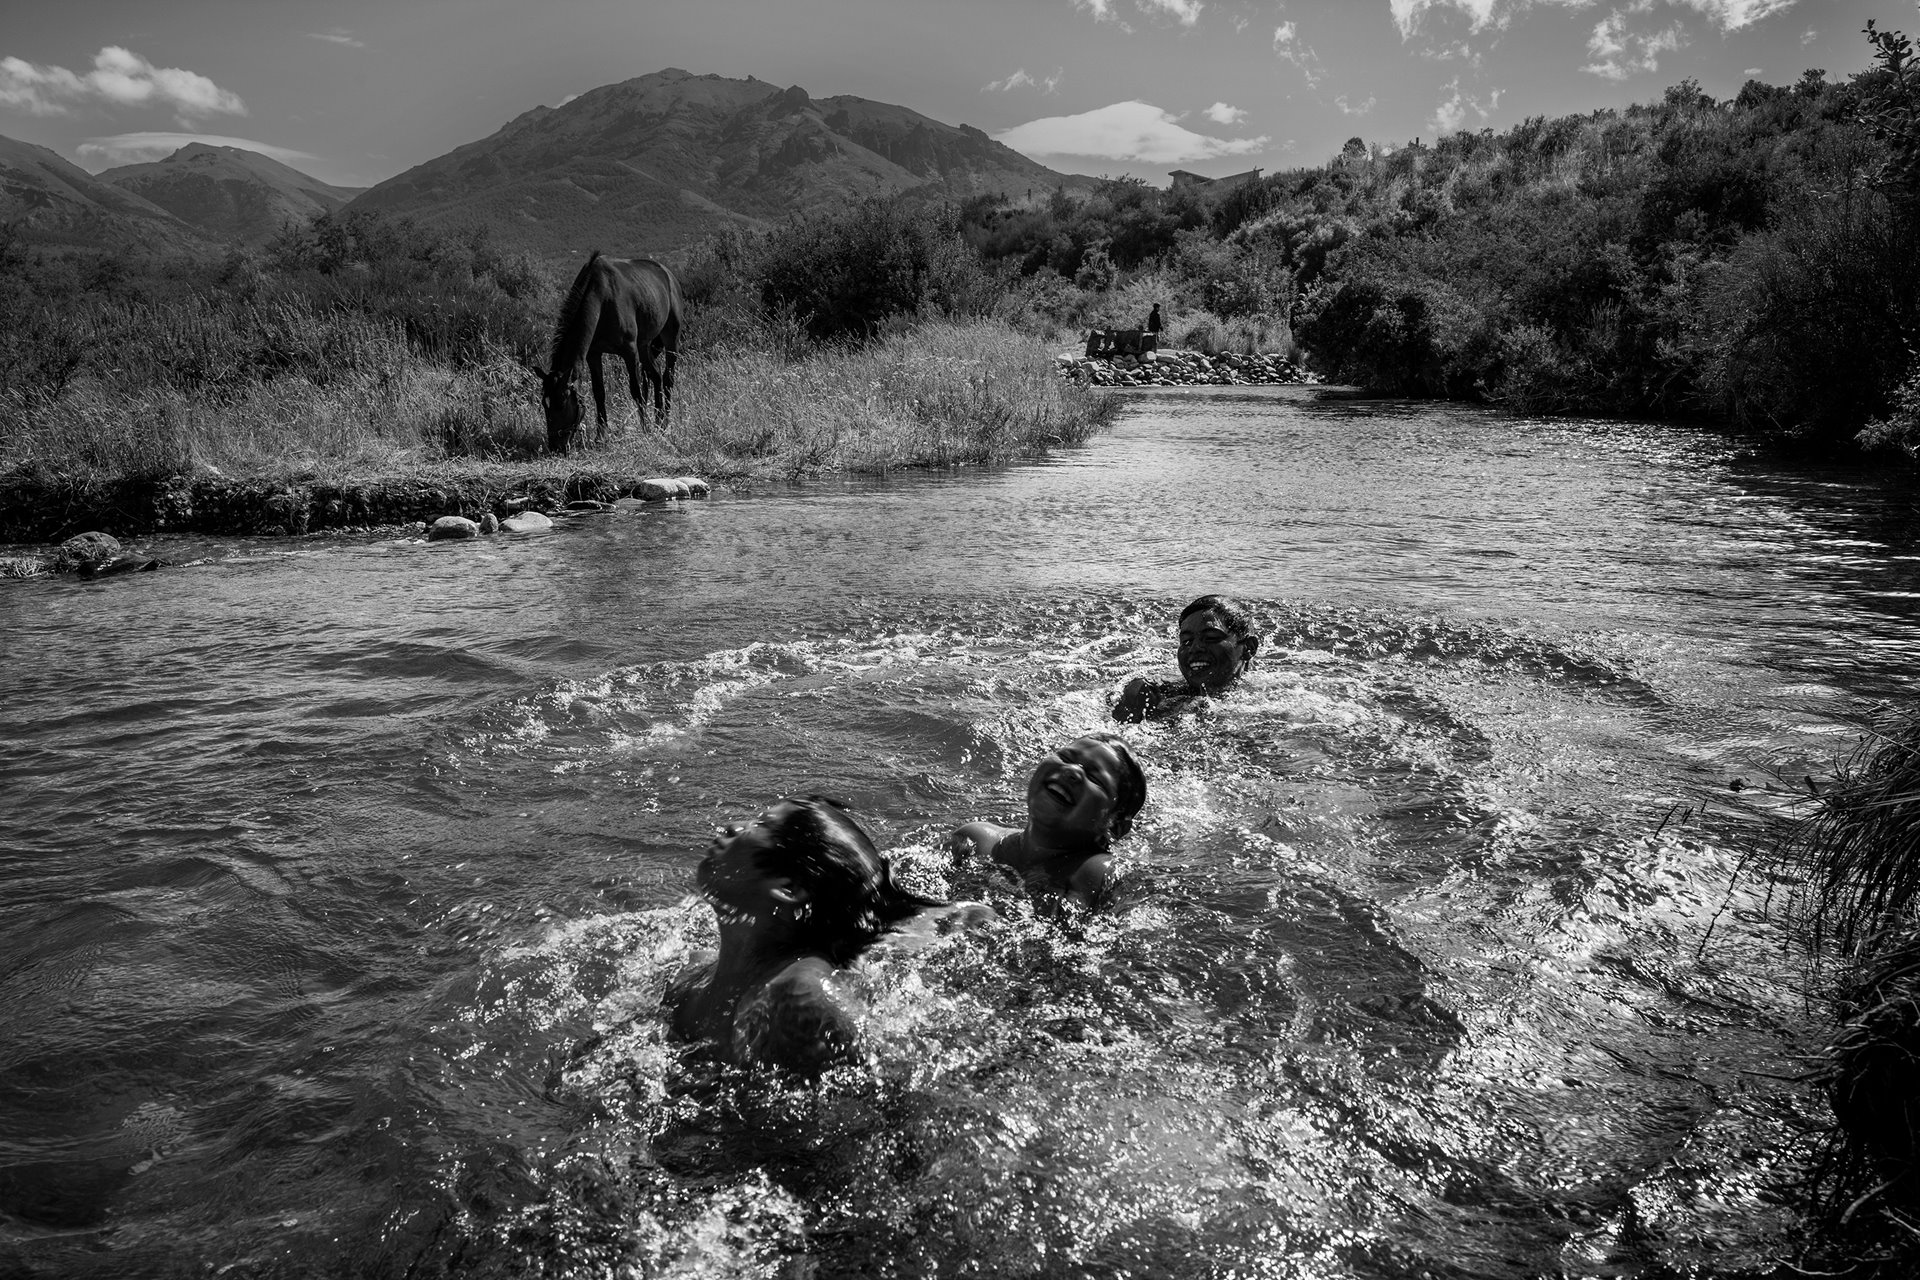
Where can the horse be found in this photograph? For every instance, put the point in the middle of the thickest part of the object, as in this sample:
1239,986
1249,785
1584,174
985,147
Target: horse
631,307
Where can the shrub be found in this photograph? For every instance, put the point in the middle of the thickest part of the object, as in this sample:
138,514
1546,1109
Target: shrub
842,275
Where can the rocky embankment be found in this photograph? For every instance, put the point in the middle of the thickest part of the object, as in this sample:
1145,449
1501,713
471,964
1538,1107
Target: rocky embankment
33,510
1184,369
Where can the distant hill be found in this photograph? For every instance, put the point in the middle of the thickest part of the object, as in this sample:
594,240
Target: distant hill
229,193
50,201
649,164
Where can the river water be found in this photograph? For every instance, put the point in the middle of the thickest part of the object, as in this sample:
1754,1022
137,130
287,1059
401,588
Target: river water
339,880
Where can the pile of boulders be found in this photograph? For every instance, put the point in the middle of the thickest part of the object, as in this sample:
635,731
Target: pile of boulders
1184,369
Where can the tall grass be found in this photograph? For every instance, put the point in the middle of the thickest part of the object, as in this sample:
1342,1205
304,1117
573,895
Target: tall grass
271,390
1858,858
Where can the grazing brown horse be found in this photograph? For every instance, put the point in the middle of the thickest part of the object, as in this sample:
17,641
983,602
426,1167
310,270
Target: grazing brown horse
631,307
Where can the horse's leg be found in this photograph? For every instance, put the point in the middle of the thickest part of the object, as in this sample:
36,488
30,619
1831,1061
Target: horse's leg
599,398
652,366
636,383
669,356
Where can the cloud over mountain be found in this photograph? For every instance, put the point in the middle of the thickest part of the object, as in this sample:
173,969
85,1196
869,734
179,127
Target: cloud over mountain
1133,130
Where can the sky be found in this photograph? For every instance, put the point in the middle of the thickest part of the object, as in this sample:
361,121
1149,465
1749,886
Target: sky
356,91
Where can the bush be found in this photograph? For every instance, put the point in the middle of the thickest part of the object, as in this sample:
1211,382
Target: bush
843,275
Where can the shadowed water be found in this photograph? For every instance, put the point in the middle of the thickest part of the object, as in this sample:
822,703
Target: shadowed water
339,882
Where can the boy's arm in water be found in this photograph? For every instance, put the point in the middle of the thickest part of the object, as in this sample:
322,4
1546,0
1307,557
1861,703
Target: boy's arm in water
796,1021
1145,699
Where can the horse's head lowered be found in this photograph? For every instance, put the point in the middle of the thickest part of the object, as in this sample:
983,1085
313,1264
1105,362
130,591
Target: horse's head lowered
561,403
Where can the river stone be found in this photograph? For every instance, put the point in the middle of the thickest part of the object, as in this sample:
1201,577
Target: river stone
489,523
696,487
452,527
526,522
86,549
660,488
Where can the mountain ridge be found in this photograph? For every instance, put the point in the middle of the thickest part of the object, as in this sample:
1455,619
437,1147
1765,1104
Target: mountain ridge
651,163
230,193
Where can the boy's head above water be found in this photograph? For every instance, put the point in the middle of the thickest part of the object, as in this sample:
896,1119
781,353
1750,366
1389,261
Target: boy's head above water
805,870
1087,791
1217,643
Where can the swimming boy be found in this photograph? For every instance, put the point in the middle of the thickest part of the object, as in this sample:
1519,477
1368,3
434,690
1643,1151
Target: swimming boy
1080,799
800,894
1217,645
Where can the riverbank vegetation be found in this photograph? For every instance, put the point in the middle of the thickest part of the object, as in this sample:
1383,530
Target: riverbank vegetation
1754,261
358,348
1857,856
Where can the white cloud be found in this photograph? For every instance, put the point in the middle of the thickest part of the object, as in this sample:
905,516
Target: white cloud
1451,113
1407,13
1137,131
1751,72
1619,53
1731,15
1186,12
138,148
1727,15
1808,36
1351,109
339,35
1021,79
1221,113
119,77
1289,47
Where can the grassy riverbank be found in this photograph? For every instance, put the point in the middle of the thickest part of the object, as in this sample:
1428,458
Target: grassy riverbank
374,432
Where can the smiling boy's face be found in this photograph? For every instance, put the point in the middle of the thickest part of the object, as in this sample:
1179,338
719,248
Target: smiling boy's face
1211,656
1074,790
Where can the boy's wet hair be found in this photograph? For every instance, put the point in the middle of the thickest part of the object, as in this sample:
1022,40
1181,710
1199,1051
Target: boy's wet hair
1232,613
1133,783
852,898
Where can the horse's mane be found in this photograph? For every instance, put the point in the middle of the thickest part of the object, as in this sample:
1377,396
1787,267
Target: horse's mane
569,342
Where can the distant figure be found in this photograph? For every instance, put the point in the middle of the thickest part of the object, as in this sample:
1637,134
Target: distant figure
800,894
1080,799
1217,645
1153,319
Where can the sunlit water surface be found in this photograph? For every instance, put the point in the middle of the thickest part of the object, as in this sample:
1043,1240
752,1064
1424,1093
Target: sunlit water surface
339,881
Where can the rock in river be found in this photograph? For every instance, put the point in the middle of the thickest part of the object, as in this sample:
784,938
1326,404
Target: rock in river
452,527
526,522
86,549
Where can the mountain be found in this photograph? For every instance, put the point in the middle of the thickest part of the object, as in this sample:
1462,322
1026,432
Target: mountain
649,164
229,193
47,200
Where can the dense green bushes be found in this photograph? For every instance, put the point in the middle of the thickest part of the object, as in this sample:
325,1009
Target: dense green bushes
1755,261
